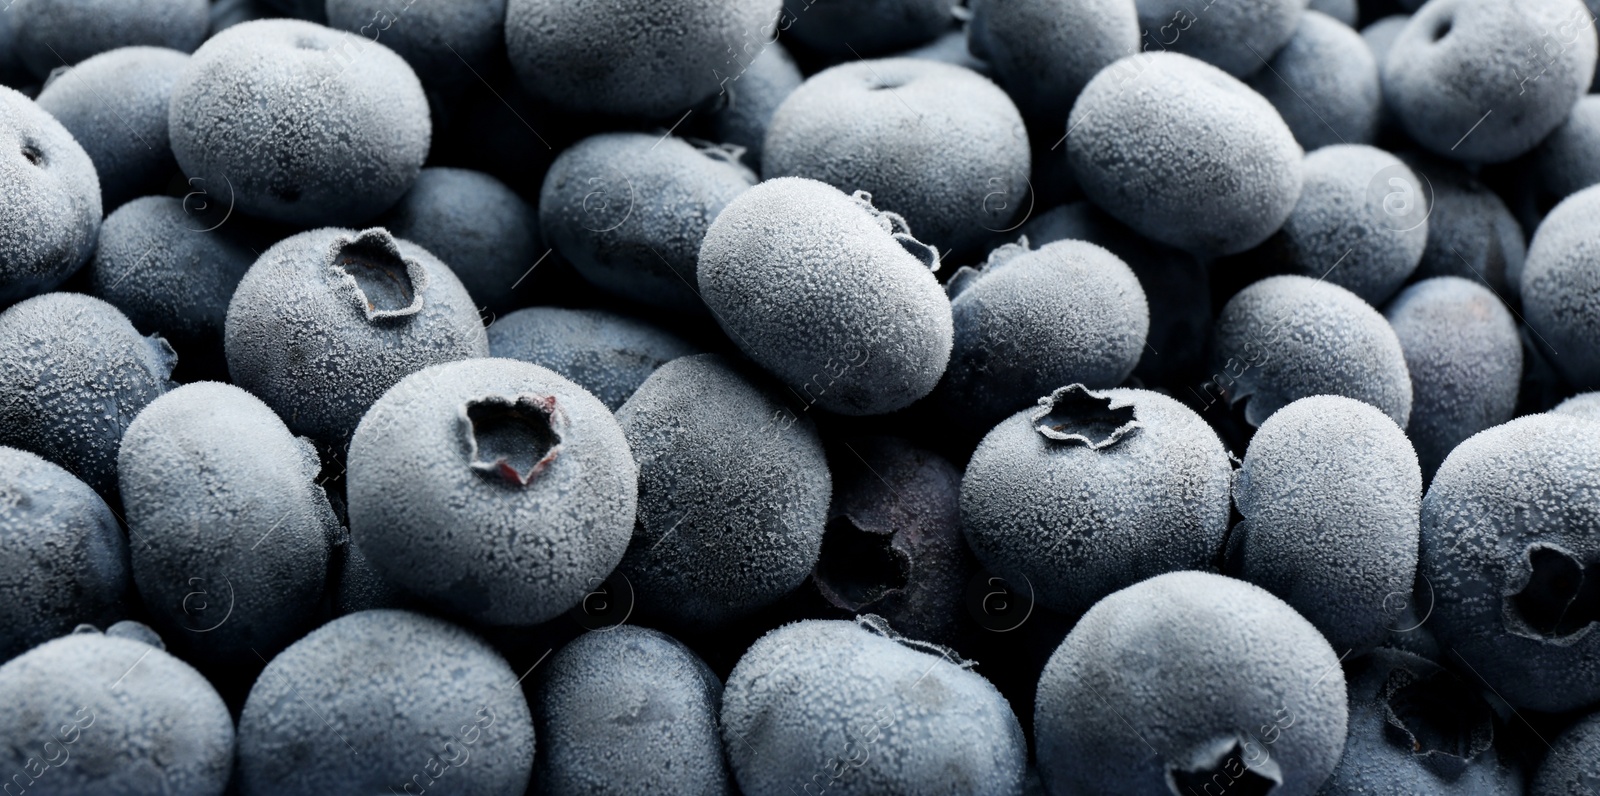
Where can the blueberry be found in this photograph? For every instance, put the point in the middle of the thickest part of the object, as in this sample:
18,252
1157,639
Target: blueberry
1573,765
1236,37
326,320
52,33
903,130
51,215
1183,153
1044,53
65,558
1381,35
1345,11
629,710
831,706
93,713
381,702
1568,160
733,493
1585,406
1090,492
629,210
1324,83
1289,337
300,123
608,354
1471,232
633,58
1511,546
449,45
1465,360
91,374
844,28
1032,320
1561,287
752,96
1484,80
493,487
1218,684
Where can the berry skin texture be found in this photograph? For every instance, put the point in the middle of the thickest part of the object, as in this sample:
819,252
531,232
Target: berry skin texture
1044,53
221,499
412,700
632,58
1218,677
51,216
1568,160
127,717
1324,83
1573,765
445,43
869,27
326,320
1586,406
1237,38
1471,232
52,33
300,123
752,99
1483,81
629,210
905,130
831,706
1090,492
628,710
72,402
1134,145
1561,287
830,295
733,493
608,354
492,487
1289,337
64,558
1465,359
1331,493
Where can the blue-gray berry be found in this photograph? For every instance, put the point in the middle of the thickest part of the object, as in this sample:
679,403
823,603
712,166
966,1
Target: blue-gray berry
1561,287
608,354
51,216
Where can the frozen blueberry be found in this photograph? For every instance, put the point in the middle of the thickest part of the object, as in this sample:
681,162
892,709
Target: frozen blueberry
93,713
1568,160
1032,320
486,233
386,702
846,28
1511,545
1288,337
832,706
733,493
628,710
1236,37
828,293
633,58
1485,80
1465,360
629,210
1345,11
906,131
1585,406
64,558
1561,287
231,536
52,33
608,354
1324,83
326,320
51,215
1090,492
494,487
1573,765
1471,232
87,374
1183,153
1381,35
300,123
115,105
449,45
751,97
1417,728
1043,53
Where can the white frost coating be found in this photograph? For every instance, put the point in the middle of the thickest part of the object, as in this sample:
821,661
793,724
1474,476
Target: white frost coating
1561,287
51,215
1043,53
1586,406
1236,37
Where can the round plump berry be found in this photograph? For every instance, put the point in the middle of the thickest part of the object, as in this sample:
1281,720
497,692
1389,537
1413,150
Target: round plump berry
1044,53
1324,83
54,33
845,28
1235,37
608,354
448,44
1561,287
1471,232
51,216
751,101
1573,765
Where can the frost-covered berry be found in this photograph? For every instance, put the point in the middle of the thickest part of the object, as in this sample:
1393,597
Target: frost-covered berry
326,320
300,123
1183,153
1573,765
386,702
51,215
905,130
1471,232
752,97
628,710
87,374
1324,83
1090,492
1568,160
65,559
608,354
493,487
831,295
1381,35
1236,37
97,713
448,44
1032,320
1561,287
832,706
846,28
1511,546
629,210
1288,337
733,493
53,33
1189,681
1044,53
1585,406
